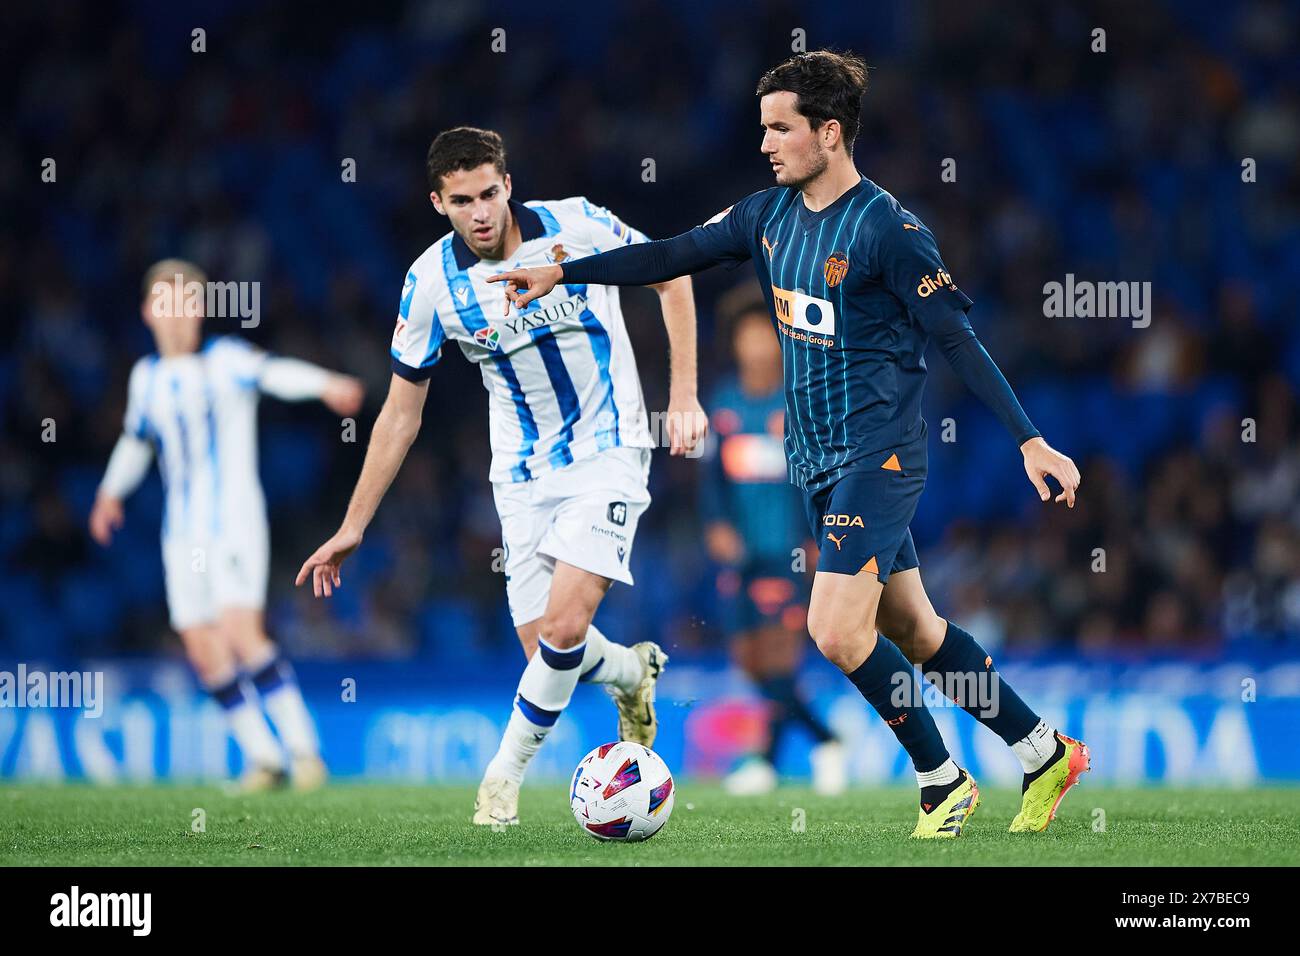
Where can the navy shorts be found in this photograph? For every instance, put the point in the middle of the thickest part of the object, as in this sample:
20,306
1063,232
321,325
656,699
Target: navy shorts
860,521
771,593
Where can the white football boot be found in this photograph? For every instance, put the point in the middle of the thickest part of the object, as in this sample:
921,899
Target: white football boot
308,773
636,711
830,772
753,778
497,803
262,779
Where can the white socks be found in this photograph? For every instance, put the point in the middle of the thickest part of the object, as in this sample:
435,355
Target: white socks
288,711
276,682
1036,748
546,688
606,662
941,775
544,691
248,725
519,744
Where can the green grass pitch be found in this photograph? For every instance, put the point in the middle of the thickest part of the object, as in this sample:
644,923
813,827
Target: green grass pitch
379,824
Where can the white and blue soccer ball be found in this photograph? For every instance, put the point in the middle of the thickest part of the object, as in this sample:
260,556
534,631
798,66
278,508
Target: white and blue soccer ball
622,791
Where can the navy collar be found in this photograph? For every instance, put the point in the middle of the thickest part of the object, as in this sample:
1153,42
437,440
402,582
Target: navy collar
810,218
530,227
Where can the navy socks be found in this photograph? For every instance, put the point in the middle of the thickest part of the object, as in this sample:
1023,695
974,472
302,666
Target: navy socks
962,670
887,681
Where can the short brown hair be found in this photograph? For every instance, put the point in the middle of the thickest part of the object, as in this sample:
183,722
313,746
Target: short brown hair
827,85
166,270
464,147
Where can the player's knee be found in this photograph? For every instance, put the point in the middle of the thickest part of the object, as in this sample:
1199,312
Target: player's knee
205,656
565,627
840,642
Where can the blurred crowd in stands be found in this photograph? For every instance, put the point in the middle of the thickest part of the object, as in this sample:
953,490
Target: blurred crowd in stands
1173,157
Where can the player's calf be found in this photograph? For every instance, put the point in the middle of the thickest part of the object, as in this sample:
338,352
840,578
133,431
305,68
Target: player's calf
214,664
1052,763
841,619
544,692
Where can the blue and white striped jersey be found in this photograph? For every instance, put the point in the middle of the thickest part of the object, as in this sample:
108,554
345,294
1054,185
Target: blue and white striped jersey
561,377
197,413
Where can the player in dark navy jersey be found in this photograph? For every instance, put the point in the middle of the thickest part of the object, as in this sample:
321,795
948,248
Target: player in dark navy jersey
754,528
857,290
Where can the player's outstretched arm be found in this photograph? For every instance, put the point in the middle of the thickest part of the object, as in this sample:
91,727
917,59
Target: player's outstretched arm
687,421
982,376
126,469
395,429
645,263
293,380
904,249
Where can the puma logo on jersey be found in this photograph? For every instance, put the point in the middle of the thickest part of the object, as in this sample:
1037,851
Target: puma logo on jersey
838,541
769,246
908,225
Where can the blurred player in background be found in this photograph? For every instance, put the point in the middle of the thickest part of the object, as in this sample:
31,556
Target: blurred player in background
856,289
569,434
753,524
193,404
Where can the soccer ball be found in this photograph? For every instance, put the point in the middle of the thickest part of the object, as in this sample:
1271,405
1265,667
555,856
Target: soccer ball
622,791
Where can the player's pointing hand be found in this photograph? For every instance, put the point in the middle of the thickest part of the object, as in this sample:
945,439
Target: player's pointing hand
323,566
1041,459
535,283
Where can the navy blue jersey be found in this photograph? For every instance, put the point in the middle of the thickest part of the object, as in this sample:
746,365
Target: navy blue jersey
855,291
746,474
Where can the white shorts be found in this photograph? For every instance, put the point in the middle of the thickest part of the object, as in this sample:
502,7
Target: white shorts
204,577
584,514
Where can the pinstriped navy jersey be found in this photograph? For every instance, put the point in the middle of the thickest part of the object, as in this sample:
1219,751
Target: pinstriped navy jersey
855,291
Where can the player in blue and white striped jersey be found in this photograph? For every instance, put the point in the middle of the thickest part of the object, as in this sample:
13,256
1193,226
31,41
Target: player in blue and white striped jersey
193,405
569,435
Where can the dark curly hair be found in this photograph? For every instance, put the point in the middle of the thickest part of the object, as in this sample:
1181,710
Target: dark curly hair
828,85
464,148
